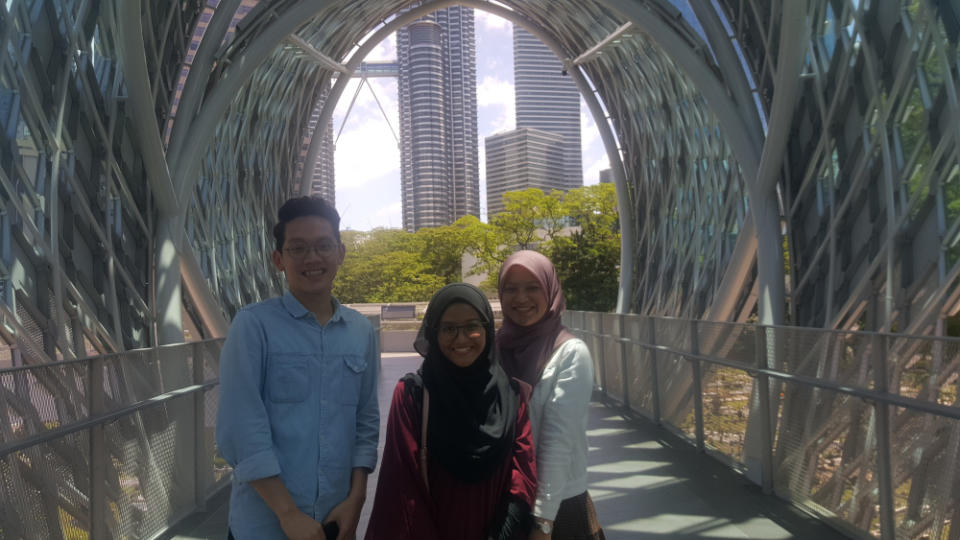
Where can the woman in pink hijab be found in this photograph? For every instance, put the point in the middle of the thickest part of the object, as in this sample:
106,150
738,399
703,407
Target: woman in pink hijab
535,347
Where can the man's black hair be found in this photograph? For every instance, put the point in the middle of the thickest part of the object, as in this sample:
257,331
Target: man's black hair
297,207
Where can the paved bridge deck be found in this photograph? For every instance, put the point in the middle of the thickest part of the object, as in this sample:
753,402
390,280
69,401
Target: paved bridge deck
646,483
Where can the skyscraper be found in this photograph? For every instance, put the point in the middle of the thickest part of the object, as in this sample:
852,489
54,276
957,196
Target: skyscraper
437,90
546,99
322,179
521,159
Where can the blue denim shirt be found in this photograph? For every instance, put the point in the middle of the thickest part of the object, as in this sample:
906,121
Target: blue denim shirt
299,400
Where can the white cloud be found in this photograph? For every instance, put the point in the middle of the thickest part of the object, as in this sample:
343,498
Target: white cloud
591,174
496,96
589,134
490,22
385,51
366,148
364,153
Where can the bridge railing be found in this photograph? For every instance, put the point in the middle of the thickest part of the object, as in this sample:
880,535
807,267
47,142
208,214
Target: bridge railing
860,428
113,446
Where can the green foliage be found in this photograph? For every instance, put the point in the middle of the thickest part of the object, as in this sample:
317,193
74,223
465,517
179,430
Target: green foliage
391,265
588,261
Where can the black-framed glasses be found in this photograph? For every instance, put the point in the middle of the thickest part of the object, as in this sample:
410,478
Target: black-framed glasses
323,250
451,331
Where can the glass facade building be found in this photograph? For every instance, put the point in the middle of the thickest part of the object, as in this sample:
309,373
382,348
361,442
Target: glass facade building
547,99
437,88
520,159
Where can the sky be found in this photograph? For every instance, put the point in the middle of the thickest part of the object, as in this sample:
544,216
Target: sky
367,154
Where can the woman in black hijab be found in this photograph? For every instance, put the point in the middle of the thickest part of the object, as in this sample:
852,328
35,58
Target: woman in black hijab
468,471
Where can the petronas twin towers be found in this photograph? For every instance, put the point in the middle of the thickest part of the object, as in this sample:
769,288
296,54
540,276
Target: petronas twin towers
440,179
437,90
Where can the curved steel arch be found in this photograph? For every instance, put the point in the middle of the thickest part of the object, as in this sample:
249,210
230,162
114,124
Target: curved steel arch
706,74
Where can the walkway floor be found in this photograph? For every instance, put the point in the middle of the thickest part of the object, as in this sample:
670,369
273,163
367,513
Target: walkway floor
646,483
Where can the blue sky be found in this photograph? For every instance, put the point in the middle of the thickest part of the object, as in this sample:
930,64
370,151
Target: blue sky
368,159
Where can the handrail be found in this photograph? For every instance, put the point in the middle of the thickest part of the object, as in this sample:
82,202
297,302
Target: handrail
814,416
101,419
867,394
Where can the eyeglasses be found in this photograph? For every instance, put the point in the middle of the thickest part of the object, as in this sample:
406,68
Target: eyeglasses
322,250
451,331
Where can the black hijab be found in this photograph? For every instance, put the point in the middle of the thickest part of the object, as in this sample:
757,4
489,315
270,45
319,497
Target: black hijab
473,410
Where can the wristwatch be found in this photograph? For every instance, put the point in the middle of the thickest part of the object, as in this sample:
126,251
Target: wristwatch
543,525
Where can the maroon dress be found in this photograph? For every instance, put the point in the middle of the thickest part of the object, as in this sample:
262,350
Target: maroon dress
403,508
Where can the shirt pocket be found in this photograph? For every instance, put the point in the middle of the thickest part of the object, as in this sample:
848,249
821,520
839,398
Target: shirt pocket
352,369
288,378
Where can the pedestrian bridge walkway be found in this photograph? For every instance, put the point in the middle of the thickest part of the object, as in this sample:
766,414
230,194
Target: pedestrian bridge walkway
645,482
698,430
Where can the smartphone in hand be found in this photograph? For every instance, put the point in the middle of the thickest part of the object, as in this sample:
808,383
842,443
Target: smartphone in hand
331,530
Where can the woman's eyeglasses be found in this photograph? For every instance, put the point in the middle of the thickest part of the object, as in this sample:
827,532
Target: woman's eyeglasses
451,331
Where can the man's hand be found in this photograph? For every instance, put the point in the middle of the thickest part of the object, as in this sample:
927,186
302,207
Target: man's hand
299,526
347,515
295,524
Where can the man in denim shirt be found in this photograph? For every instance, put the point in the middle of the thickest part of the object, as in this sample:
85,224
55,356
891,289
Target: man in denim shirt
298,417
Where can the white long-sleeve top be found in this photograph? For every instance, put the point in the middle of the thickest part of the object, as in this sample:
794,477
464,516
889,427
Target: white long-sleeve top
559,408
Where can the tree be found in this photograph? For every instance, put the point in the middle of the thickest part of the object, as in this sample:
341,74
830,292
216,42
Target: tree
524,213
588,261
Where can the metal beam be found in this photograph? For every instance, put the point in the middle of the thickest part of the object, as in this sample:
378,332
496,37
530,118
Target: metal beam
198,76
729,63
217,101
794,36
315,54
595,51
143,121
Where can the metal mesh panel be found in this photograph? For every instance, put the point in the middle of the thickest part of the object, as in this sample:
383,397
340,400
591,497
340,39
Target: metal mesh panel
221,470
726,408
44,397
676,393
825,444
640,377
175,367
211,360
925,453
146,465
734,342
34,334
44,490
673,333
639,369
825,455
842,357
591,323
924,369
612,357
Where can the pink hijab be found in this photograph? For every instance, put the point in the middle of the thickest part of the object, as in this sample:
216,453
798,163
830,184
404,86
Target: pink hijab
525,350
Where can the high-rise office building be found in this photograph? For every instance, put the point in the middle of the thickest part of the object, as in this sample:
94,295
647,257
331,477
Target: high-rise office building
322,179
437,91
547,99
521,159
606,176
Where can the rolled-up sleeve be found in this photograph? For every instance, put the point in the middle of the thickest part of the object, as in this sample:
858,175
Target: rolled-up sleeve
562,421
243,427
368,410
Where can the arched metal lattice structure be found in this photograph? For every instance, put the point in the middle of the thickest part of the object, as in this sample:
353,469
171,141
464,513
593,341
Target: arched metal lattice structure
831,121
744,135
